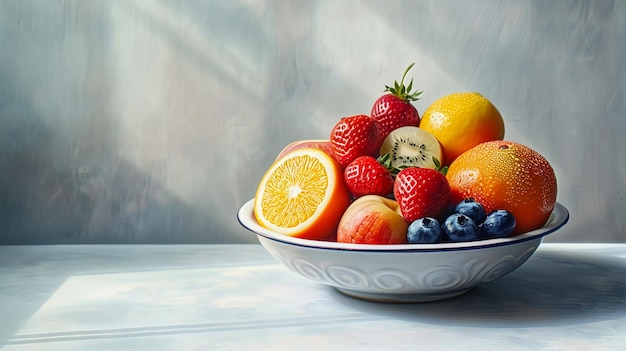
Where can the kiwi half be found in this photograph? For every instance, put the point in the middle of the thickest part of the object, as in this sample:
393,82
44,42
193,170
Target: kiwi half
411,146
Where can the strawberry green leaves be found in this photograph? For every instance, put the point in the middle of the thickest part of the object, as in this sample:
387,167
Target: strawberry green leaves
404,92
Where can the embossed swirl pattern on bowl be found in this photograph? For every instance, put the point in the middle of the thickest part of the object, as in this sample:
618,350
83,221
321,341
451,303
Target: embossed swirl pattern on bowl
404,272
438,277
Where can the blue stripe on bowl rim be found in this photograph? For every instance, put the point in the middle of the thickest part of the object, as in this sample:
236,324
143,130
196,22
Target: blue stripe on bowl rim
558,218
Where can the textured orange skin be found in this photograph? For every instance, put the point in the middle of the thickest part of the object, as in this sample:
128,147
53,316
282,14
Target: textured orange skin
525,187
372,219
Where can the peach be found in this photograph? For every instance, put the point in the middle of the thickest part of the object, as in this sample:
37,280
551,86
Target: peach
372,219
323,145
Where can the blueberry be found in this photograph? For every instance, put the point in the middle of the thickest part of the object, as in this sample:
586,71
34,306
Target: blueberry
459,227
425,230
472,209
498,224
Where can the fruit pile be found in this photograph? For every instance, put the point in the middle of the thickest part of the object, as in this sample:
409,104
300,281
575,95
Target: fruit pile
391,177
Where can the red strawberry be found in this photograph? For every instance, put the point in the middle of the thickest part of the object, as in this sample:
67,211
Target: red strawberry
367,175
394,110
421,192
354,136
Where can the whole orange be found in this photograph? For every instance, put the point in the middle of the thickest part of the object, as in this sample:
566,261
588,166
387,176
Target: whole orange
461,121
506,175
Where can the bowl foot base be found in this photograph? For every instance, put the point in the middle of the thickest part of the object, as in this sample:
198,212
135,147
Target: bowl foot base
403,298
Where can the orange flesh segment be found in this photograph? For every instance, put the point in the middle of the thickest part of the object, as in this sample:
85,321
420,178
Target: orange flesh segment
294,191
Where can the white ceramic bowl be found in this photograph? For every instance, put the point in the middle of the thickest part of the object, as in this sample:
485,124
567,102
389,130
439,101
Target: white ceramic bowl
402,273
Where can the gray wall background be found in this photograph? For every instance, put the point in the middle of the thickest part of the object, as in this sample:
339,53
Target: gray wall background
152,121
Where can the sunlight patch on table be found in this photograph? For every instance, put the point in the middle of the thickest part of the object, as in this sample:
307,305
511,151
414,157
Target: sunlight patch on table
134,303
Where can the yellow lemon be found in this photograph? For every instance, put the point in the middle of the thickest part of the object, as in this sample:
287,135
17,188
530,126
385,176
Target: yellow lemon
461,121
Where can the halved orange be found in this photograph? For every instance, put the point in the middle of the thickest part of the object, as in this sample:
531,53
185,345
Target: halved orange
302,194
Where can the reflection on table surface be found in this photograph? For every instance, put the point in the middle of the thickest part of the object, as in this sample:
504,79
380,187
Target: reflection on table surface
216,297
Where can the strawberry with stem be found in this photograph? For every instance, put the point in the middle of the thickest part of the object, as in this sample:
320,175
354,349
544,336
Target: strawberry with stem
367,175
394,109
422,192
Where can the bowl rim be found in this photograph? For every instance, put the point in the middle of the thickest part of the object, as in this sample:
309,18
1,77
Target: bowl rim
558,218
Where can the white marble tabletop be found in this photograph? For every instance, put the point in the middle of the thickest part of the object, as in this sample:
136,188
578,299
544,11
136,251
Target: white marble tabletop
236,297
